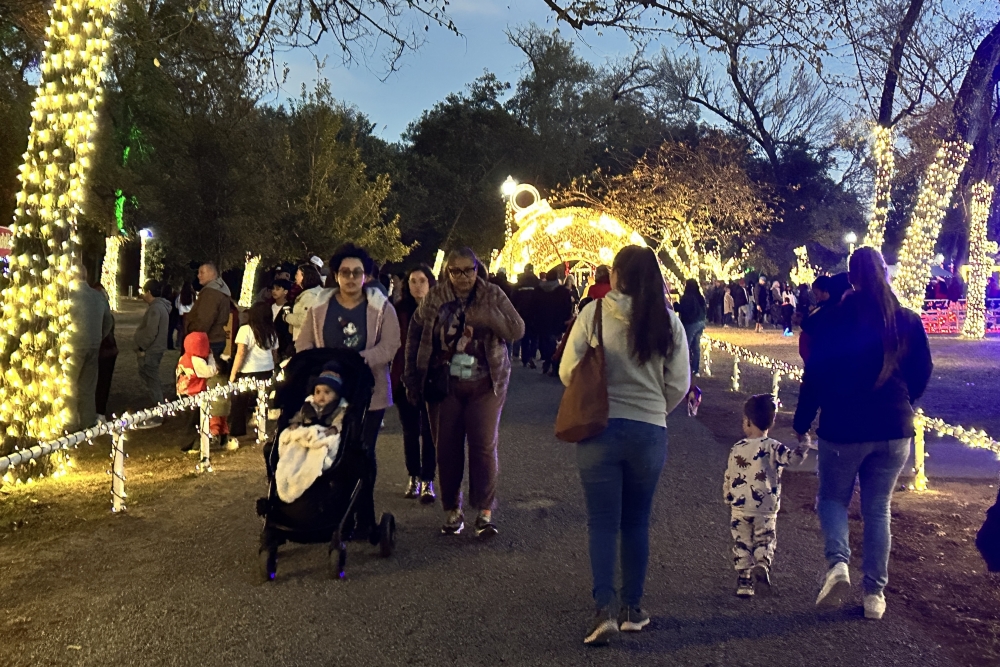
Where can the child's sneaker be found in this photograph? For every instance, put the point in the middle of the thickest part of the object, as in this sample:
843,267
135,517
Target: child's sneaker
744,584
762,580
835,585
874,606
454,523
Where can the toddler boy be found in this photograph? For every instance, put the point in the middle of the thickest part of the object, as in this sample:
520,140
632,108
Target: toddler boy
753,490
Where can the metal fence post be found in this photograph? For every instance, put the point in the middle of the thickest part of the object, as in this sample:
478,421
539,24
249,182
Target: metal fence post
118,494
204,422
919,453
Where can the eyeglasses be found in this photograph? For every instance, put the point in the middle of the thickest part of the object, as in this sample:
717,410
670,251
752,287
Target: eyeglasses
356,273
457,273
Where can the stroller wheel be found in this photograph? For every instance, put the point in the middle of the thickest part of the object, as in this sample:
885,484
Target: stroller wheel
267,564
336,561
387,535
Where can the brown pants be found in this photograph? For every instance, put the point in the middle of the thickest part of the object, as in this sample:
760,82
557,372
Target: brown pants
470,411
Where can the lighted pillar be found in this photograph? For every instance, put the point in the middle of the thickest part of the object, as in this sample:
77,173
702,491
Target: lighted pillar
981,252
885,165
145,235
36,394
249,275
109,269
933,201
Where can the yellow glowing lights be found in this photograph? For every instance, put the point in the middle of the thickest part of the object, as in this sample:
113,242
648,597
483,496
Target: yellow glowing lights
109,269
803,273
917,251
36,335
249,274
981,252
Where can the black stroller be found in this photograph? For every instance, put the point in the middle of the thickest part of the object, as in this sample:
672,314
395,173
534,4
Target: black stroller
321,513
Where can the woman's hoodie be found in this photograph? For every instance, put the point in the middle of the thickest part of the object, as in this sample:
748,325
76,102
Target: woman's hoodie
645,393
195,366
303,302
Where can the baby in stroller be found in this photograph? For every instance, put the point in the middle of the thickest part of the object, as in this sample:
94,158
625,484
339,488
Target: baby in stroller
309,445
316,463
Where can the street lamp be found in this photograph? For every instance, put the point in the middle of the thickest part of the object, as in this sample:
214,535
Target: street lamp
851,239
508,187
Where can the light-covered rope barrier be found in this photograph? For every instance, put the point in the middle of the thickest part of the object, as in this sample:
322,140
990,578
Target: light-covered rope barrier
118,426
977,439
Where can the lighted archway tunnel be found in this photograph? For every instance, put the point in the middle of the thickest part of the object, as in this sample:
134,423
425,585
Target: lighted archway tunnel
548,238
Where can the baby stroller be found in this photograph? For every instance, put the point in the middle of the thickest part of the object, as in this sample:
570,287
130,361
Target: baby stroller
320,514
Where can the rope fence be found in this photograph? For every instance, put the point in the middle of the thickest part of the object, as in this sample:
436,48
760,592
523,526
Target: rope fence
117,427
780,370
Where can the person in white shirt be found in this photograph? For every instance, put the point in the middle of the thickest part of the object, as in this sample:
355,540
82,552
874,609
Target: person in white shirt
256,354
312,294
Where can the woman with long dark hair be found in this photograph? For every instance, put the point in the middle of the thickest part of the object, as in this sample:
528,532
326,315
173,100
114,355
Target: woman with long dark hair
693,311
418,442
256,354
457,361
311,283
648,375
865,371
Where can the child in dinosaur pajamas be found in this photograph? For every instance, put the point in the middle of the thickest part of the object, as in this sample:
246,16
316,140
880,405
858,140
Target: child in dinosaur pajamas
753,490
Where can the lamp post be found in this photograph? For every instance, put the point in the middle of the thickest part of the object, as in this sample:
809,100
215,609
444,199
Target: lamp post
144,236
851,239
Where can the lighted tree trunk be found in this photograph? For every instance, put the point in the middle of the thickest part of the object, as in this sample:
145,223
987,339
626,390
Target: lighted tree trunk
36,393
981,251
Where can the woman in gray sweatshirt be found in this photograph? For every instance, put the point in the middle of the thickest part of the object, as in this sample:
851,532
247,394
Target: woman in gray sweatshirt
648,374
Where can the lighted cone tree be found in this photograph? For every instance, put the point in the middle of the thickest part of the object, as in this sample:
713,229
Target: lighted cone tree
885,166
917,252
36,394
981,252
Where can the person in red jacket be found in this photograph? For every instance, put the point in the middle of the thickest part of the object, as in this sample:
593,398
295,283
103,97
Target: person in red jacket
602,283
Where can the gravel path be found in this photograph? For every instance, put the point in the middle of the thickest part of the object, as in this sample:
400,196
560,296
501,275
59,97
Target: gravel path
172,581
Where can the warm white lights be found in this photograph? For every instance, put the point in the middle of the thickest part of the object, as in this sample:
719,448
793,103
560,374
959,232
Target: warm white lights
249,275
885,165
109,269
981,252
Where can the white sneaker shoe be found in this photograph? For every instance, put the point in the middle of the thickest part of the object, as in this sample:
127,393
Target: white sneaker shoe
836,585
232,444
874,606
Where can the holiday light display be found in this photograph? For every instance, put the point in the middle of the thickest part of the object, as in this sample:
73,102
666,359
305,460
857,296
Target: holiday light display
981,252
109,269
36,350
145,236
885,166
803,273
249,276
917,252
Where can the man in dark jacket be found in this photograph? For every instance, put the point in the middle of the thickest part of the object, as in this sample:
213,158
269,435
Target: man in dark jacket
500,280
210,313
523,299
741,304
151,342
553,309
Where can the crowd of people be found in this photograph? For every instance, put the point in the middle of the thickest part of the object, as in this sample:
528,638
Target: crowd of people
441,347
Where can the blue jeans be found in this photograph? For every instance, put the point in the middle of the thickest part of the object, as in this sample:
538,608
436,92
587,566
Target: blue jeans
693,333
619,470
877,465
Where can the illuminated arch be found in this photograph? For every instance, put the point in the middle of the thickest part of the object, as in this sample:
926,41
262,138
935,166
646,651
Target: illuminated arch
547,238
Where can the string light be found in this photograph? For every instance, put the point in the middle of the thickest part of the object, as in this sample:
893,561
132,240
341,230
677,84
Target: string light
109,269
885,166
933,201
249,277
803,273
981,252
36,335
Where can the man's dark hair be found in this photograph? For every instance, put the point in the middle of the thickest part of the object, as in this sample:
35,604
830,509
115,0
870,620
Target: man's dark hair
552,275
760,410
153,287
282,283
347,251
822,284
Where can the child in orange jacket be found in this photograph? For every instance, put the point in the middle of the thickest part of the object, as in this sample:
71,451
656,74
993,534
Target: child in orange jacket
195,372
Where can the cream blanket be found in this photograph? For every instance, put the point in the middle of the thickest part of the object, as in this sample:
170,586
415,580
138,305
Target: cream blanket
304,452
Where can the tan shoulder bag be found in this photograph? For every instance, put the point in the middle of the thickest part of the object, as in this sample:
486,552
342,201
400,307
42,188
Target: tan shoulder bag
583,411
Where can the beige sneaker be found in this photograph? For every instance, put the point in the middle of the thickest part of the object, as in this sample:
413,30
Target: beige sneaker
874,606
836,585
232,444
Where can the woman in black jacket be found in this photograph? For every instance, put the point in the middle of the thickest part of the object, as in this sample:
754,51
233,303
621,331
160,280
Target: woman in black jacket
693,311
865,371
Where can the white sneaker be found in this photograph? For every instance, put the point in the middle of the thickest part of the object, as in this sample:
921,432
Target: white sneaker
874,606
232,444
836,585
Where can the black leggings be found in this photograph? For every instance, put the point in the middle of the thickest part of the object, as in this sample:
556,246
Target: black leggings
241,403
418,443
